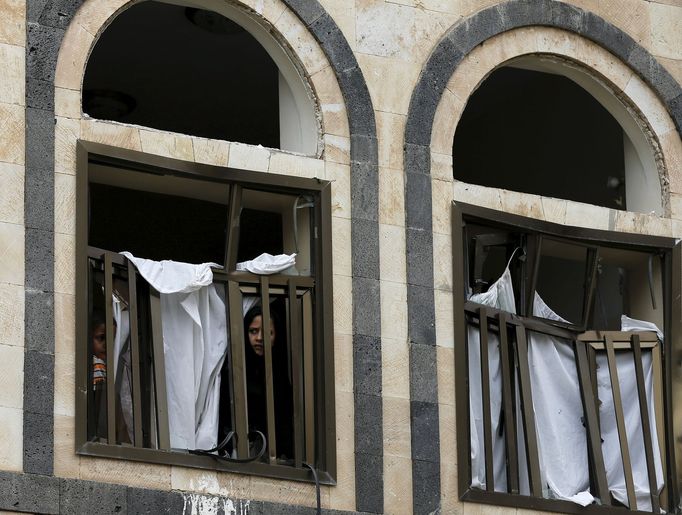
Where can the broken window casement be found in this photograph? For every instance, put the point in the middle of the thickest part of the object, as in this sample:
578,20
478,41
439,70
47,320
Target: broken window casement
569,400
266,413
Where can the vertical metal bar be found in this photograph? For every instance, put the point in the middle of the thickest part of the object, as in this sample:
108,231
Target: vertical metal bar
531,439
233,221
485,400
591,286
267,346
659,413
620,423
509,423
591,412
109,330
308,378
646,423
296,373
240,417
160,393
461,364
84,392
135,354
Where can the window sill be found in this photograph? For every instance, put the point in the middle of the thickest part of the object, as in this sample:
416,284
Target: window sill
535,503
184,459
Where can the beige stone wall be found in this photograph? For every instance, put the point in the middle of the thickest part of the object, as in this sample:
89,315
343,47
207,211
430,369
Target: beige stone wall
71,125
391,39
12,106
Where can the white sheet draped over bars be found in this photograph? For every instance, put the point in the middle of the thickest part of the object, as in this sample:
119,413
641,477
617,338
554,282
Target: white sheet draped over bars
195,341
557,405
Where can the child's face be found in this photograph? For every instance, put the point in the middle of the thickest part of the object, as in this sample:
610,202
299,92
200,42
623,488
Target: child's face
99,346
256,335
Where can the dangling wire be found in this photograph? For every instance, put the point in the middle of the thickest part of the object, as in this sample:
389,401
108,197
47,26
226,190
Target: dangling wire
221,447
317,486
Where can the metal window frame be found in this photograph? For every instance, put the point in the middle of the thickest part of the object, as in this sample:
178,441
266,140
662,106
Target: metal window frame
317,371
672,267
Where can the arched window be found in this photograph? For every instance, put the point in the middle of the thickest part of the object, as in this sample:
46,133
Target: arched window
199,72
545,127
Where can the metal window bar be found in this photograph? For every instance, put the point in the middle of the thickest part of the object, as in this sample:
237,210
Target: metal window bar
295,332
308,377
149,387
135,356
109,335
485,399
585,344
240,415
508,407
612,341
269,393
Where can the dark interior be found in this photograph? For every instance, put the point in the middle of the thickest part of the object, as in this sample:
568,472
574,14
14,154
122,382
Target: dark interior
540,133
184,70
157,226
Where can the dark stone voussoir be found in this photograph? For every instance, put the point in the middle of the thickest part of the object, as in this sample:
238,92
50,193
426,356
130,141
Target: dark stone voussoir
426,487
38,443
425,431
418,201
333,42
419,257
651,71
366,319
58,13
39,199
39,317
39,383
368,424
421,314
567,17
39,94
39,139
608,36
521,13
367,364
364,148
307,10
423,377
417,158
369,483
365,190
365,248
39,259
42,50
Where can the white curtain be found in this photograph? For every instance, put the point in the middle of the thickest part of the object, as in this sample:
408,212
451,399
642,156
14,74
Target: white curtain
633,422
195,342
500,295
558,410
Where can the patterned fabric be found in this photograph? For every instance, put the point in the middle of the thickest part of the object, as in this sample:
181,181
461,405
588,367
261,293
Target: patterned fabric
99,372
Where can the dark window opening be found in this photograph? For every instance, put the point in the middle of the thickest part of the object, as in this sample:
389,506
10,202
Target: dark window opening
184,70
540,133
561,338
167,369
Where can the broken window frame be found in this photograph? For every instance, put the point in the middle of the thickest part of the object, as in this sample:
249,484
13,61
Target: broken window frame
311,335
586,346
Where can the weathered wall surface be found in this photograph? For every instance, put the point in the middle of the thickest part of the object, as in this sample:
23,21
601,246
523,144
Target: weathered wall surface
394,338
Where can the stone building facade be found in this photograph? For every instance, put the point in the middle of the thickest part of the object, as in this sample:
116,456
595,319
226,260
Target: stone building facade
388,82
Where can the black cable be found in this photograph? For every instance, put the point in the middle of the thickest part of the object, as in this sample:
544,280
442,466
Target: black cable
317,486
225,457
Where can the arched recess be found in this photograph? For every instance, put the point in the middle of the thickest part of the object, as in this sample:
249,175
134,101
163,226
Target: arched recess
306,32
643,185
201,68
428,156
